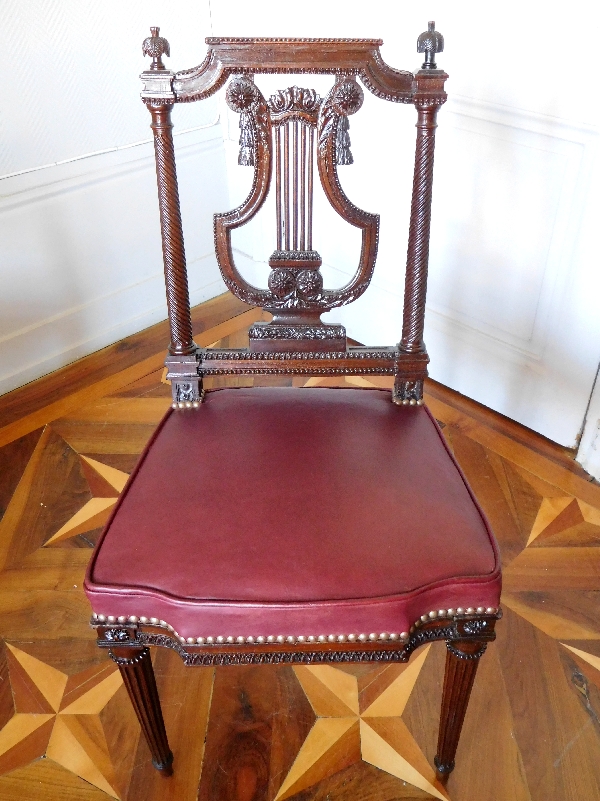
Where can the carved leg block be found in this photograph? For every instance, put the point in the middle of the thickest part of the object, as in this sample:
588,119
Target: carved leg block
462,660
136,669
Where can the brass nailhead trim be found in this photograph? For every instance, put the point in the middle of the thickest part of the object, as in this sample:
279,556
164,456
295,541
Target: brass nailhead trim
299,640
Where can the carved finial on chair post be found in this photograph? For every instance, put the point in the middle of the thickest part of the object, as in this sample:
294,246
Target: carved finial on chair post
430,42
156,46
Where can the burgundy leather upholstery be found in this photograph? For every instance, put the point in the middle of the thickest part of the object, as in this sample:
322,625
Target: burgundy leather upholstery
297,512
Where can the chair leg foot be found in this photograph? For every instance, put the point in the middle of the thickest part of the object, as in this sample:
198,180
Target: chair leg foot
462,660
136,669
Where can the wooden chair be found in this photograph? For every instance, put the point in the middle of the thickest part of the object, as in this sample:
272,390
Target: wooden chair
295,525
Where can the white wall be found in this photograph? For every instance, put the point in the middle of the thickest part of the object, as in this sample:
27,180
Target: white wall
512,316
80,256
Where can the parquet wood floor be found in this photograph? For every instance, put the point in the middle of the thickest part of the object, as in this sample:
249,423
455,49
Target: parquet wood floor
267,733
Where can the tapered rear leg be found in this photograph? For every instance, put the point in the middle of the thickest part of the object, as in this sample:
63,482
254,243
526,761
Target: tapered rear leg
462,661
136,669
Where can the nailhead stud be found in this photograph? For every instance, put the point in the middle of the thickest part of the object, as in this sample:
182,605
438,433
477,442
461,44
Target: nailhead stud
404,635
433,615
460,610
480,610
220,639
270,638
162,623
341,638
322,638
301,638
111,618
372,636
412,628
384,635
240,640
393,636
451,612
101,618
210,640
260,640
311,638
491,610
442,613
351,637
195,404
201,640
190,640
154,620
280,638
331,637
470,610
362,637
250,639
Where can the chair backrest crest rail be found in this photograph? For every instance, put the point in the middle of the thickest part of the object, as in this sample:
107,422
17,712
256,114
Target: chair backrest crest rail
282,137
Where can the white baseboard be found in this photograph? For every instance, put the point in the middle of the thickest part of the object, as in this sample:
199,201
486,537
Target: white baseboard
81,255
112,317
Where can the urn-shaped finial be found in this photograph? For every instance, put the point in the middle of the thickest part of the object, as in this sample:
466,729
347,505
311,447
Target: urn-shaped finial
430,42
156,46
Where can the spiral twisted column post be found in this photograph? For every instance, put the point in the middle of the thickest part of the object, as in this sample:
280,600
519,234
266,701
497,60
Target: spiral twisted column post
178,299
429,96
158,95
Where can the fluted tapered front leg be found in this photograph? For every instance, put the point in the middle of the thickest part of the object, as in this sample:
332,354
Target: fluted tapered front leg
462,661
136,669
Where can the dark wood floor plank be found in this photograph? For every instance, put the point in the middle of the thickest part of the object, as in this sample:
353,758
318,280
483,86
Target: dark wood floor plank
259,719
558,743
13,460
473,459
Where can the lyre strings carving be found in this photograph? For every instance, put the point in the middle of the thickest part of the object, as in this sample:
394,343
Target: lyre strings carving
304,128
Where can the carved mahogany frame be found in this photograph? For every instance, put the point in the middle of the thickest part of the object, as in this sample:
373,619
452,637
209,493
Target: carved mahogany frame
345,58
466,637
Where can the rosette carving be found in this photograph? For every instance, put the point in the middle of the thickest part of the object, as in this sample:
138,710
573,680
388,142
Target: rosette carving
347,97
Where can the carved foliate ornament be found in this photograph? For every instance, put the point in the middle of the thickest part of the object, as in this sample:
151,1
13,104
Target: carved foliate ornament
295,103
156,46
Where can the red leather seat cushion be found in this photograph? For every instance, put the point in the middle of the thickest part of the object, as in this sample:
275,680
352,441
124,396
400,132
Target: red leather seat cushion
294,511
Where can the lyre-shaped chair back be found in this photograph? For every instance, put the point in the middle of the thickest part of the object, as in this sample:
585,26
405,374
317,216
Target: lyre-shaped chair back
283,137
289,139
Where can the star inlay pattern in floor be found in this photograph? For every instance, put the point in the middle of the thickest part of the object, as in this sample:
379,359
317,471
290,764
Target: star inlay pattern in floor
309,733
